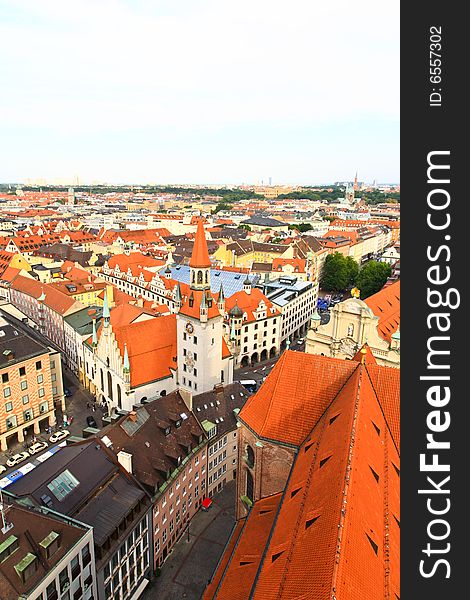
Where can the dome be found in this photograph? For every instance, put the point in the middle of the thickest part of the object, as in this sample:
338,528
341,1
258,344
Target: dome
236,311
316,316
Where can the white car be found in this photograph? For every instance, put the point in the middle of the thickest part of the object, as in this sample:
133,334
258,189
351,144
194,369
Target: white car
2,469
37,447
17,458
59,435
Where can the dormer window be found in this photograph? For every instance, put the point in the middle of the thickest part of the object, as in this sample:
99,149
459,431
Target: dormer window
178,423
167,430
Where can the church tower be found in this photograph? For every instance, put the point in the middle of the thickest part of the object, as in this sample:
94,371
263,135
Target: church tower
203,357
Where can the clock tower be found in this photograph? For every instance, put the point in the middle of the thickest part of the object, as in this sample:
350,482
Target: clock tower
203,356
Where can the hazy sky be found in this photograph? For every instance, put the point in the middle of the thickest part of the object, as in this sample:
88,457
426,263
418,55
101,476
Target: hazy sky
206,91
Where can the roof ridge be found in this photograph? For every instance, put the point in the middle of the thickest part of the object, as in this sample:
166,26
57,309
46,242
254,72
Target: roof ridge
382,408
351,455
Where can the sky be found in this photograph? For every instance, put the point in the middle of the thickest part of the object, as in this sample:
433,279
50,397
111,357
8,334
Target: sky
199,91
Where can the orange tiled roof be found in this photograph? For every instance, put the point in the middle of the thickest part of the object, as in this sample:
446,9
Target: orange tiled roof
339,513
386,305
135,259
246,556
151,346
194,310
249,304
54,298
295,395
225,350
200,254
298,263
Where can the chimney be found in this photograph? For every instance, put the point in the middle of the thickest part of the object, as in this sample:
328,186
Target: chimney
187,398
125,459
133,416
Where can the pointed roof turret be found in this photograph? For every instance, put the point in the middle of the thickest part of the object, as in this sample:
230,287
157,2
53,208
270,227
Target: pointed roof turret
127,364
200,254
203,304
106,313
236,311
95,337
177,290
221,295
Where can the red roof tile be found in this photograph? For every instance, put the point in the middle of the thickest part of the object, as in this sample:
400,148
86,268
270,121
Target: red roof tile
386,305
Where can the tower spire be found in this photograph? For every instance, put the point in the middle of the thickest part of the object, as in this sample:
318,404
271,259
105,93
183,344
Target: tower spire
200,254
106,313
200,263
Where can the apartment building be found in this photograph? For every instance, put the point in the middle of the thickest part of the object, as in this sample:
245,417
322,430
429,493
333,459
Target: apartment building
217,411
296,301
44,555
84,481
165,448
31,385
45,306
253,325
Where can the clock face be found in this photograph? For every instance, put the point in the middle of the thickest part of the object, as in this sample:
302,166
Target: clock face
189,328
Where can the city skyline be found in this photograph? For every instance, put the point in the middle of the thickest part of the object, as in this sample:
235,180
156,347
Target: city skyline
156,93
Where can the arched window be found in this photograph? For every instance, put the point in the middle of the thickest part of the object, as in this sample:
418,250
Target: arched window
163,393
250,456
249,485
199,276
206,276
119,394
107,361
110,386
102,379
192,277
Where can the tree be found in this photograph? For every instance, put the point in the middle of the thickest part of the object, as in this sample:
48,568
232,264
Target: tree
244,226
372,277
353,270
336,273
302,227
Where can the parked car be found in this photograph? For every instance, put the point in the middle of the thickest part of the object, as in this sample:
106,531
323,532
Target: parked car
2,469
59,435
91,422
67,392
16,459
37,447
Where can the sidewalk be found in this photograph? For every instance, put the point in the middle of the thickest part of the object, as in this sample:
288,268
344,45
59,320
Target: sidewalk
186,571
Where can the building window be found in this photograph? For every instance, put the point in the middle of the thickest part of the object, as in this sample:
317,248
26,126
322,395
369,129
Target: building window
6,392
41,392
40,378
22,371
39,365
195,339
25,399
5,377
11,422
249,485
8,406
250,457
24,385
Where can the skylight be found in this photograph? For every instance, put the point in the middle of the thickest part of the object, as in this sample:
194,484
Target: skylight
63,484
